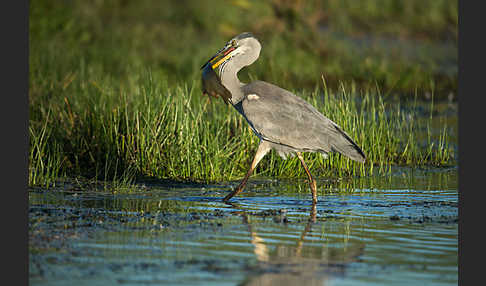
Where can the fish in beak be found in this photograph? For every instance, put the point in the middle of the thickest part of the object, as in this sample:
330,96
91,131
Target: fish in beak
211,82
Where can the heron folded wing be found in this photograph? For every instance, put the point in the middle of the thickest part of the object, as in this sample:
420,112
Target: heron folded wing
284,118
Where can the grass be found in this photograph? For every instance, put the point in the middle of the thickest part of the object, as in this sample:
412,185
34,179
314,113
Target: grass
115,96
174,132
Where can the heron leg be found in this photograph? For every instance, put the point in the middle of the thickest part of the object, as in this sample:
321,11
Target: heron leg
263,149
312,182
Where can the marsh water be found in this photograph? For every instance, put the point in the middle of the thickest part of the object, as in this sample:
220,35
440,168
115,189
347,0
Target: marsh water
400,229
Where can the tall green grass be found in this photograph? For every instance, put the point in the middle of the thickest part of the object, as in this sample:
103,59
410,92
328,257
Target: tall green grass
94,129
45,161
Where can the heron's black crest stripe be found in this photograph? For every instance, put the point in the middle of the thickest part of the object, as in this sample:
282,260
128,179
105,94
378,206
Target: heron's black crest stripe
244,36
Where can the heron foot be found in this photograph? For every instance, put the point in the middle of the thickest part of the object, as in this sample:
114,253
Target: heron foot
233,193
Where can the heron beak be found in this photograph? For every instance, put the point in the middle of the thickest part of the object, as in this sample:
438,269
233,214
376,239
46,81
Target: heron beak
219,57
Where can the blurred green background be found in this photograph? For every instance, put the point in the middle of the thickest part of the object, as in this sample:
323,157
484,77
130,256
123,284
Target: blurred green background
403,47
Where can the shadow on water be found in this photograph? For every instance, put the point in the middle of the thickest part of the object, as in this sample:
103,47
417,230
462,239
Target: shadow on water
394,230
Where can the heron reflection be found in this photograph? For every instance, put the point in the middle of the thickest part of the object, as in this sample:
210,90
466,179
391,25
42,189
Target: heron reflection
299,264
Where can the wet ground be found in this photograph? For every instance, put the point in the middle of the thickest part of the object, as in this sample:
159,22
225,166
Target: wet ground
395,230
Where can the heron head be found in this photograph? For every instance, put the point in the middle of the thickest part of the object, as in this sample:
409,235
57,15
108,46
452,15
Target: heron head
241,50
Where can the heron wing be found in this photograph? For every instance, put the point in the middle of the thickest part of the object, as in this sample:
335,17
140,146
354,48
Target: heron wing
279,116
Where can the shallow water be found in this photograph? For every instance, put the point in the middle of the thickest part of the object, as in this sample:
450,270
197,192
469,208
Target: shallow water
395,230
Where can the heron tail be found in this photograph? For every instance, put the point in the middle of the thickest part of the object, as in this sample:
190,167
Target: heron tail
347,147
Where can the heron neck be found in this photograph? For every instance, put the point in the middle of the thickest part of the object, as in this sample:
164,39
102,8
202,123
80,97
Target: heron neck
230,80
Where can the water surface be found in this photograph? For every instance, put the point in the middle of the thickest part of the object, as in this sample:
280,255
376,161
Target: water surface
394,230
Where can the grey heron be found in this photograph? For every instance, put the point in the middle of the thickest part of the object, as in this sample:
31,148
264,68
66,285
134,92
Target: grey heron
282,121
